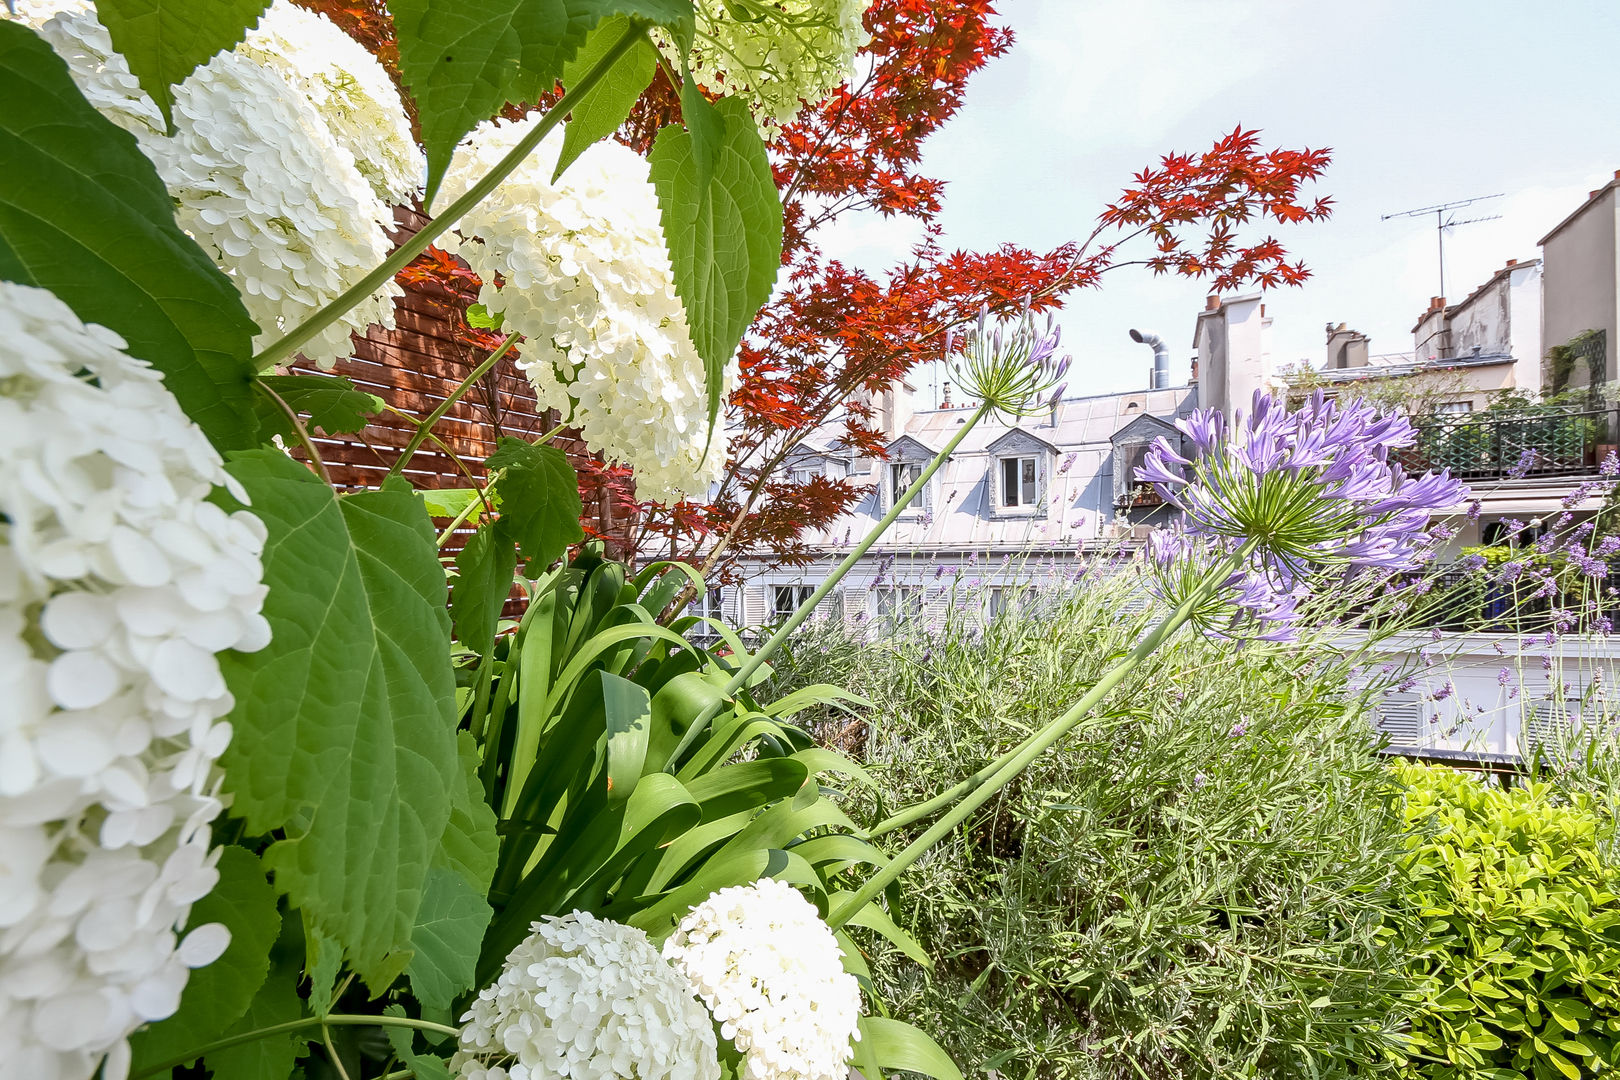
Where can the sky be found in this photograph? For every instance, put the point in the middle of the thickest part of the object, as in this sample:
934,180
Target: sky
1421,101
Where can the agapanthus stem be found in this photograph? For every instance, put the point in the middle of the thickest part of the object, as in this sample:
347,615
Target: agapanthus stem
305,332
433,417
333,1020
757,659
984,784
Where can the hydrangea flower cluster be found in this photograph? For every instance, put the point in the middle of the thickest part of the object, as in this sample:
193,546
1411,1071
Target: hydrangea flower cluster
260,177
779,55
119,584
587,999
579,268
349,88
772,974
1014,368
1298,491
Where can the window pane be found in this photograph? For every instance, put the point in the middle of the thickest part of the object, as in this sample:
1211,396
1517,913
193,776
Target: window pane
1029,482
1009,482
784,600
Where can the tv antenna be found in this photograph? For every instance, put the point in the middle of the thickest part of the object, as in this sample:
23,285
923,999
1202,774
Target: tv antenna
1445,218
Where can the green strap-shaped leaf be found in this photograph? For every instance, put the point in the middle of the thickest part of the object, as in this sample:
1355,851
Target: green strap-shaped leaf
333,405
658,916
449,928
875,918
891,1044
539,495
629,720
83,214
345,722
724,234
607,106
464,61
164,41
216,996
484,570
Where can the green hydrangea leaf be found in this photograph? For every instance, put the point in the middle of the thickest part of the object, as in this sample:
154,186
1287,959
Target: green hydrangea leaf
607,106
344,724
83,214
539,495
465,61
470,846
164,41
330,404
268,1057
449,929
724,232
484,574
216,996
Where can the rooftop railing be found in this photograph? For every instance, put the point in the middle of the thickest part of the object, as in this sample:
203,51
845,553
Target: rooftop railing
1542,441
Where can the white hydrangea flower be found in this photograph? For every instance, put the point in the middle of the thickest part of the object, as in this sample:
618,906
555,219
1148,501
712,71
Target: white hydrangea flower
349,88
119,582
258,178
587,999
772,973
586,280
778,55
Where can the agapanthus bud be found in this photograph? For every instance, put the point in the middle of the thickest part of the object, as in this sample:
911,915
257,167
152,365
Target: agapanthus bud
1009,366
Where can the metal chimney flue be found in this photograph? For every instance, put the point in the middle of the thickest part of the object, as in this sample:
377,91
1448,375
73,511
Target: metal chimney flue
1161,358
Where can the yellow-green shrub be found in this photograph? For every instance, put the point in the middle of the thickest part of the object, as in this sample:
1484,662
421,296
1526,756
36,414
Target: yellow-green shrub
1518,964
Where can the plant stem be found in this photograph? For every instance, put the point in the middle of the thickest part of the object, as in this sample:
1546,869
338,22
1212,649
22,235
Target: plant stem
984,784
444,406
334,1020
298,426
305,332
757,660
482,500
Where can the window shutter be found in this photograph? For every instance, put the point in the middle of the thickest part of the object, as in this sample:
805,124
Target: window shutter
854,603
755,604
1400,716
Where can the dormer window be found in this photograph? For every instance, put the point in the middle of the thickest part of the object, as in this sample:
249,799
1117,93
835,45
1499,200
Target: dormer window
902,474
1019,489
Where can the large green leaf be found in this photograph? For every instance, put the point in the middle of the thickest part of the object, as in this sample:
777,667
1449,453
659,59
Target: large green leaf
164,41
449,928
484,570
470,845
539,494
464,61
83,214
895,1045
216,996
333,405
345,723
606,106
268,1057
723,227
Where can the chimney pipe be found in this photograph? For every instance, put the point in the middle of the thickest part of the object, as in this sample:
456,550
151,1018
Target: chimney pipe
1161,358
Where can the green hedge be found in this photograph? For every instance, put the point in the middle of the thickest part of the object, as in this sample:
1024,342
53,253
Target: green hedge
1518,955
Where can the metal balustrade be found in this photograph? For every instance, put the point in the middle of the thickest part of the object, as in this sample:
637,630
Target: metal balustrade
1536,442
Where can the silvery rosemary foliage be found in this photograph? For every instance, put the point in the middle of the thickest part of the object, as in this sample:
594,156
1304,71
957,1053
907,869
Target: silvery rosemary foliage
1297,492
119,584
588,999
772,974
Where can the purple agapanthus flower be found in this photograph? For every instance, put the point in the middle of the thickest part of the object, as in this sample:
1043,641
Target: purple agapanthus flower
1299,491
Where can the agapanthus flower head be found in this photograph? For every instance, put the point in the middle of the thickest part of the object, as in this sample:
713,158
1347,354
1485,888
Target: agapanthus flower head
579,268
772,974
588,999
120,582
1288,494
778,55
1010,365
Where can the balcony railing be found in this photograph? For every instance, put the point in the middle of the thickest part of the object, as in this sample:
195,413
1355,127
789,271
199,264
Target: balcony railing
1543,441
1478,601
